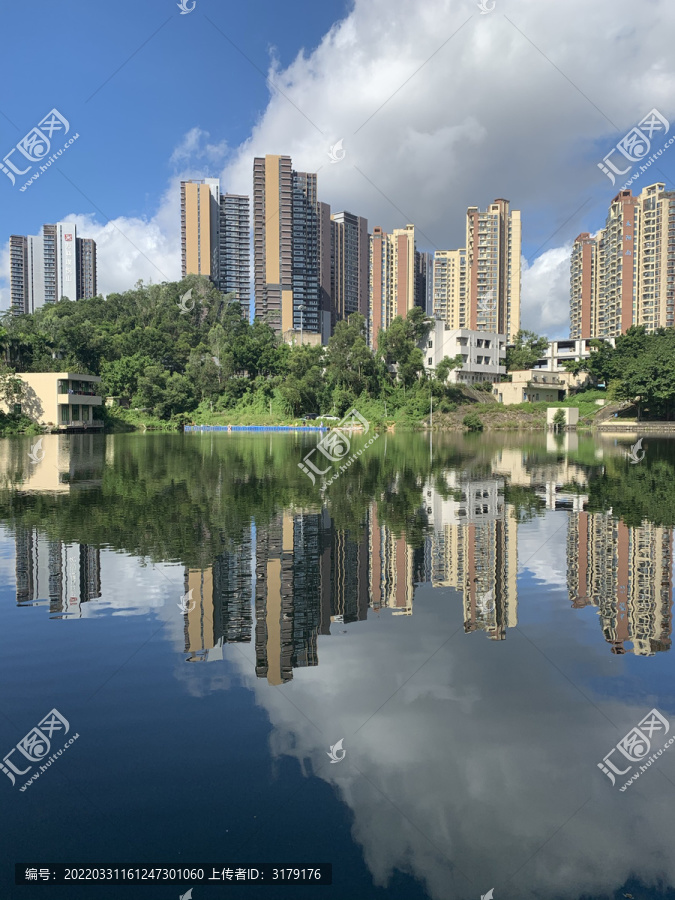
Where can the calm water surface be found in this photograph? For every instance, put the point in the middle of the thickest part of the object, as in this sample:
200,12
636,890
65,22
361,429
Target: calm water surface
479,622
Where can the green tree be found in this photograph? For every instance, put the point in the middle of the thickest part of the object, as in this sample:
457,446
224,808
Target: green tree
472,422
446,365
527,348
303,386
202,372
398,345
559,419
119,378
12,388
640,369
165,393
350,363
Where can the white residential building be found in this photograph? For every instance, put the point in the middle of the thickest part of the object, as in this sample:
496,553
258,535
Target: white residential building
50,266
559,352
483,353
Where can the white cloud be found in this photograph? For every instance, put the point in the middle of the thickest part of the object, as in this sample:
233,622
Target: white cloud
430,128
195,147
548,531
129,249
545,293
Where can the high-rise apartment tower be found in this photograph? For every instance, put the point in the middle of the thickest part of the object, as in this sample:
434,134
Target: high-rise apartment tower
493,247
51,266
625,274
215,235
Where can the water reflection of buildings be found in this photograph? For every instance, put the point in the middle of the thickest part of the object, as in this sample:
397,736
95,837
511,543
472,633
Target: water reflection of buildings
287,595
309,576
59,464
393,569
63,576
298,576
221,595
474,550
525,469
627,573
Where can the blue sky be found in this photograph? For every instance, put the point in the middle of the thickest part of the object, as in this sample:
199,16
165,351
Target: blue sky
184,75
439,106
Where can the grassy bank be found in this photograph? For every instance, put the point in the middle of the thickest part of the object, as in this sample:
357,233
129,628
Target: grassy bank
517,417
532,416
414,414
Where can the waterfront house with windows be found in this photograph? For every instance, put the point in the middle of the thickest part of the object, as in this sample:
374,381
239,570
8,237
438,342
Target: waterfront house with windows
63,401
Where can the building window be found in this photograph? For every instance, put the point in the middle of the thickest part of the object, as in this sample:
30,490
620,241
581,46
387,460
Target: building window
430,361
17,409
63,387
85,413
65,415
76,412
430,344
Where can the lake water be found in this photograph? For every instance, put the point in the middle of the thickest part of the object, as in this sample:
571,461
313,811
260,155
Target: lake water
416,675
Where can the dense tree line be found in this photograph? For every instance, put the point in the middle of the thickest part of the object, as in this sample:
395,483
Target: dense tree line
208,359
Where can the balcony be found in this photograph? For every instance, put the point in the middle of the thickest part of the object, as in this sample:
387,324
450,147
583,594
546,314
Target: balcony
544,381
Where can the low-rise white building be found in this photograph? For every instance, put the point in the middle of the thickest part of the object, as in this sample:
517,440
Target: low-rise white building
535,385
483,352
559,352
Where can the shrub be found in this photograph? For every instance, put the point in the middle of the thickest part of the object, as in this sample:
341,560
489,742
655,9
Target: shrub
472,422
